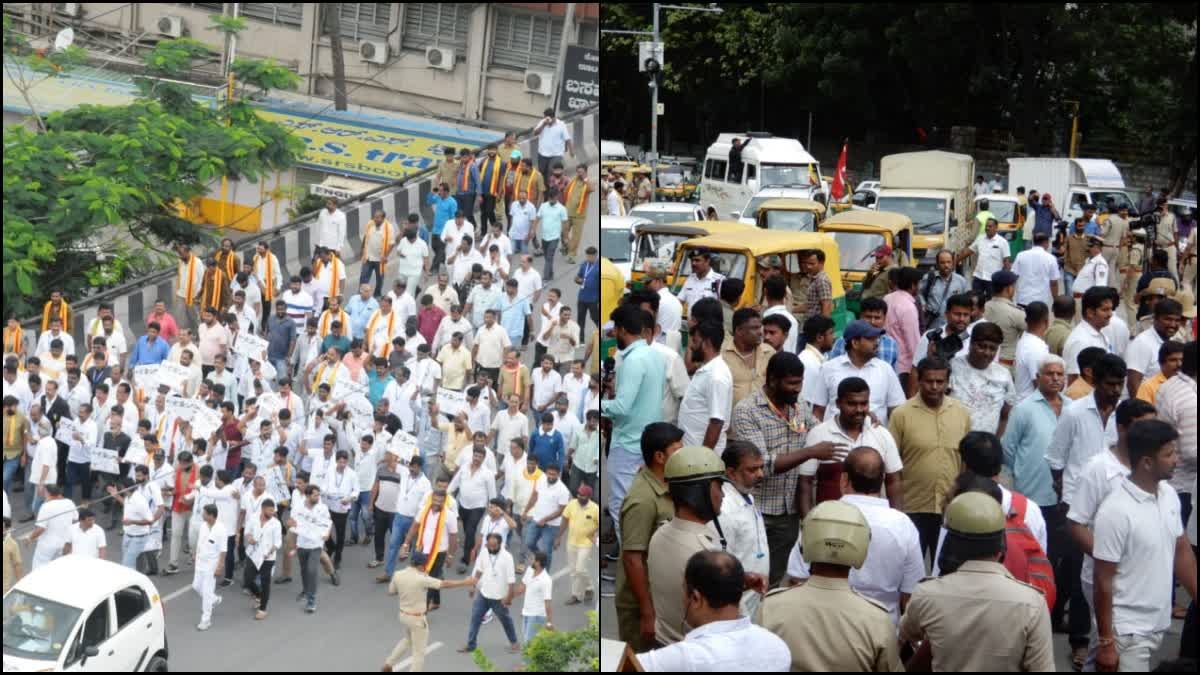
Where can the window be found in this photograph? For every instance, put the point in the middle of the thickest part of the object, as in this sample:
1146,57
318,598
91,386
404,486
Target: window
589,35
525,41
362,20
95,632
279,13
431,24
131,602
751,172
715,169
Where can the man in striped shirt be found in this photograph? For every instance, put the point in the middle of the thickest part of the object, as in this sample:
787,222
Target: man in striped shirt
299,303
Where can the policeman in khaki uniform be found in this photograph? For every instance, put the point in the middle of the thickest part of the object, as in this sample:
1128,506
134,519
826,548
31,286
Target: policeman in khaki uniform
976,616
827,625
695,476
411,584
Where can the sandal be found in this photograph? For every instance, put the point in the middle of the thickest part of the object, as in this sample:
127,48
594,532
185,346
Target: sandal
1078,658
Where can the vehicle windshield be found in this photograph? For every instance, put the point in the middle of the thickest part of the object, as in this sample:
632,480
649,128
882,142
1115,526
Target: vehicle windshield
36,628
615,244
728,264
656,246
752,206
787,175
1119,198
863,198
928,214
670,177
856,250
664,217
791,221
1005,212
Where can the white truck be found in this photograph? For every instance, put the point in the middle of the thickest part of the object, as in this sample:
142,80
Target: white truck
932,188
1072,183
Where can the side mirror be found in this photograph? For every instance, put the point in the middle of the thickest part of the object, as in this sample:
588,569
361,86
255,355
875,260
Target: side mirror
735,214
632,236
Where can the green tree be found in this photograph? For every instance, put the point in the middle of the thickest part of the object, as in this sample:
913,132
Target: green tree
93,198
552,651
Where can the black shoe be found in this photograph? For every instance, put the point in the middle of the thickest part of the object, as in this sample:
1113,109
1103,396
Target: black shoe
335,579
283,580
226,582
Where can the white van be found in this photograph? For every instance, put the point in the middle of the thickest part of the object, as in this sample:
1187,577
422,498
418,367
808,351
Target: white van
78,614
616,239
766,162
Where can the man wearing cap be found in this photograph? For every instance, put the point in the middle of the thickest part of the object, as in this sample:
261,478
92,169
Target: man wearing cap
875,284
860,360
827,625
1094,272
1002,311
976,616
993,254
670,310
1156,292
703,282
1114,231
1158,272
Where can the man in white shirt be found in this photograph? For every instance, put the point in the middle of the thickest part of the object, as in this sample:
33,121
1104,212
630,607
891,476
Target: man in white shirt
494,574
211,546
670,310
330,230
562,336
52,530
314,526
414,486
529,284
537,585
300,304
1142,354
412,259
455,322
1098,310
79,452
521,216
723,638
86,539
1031,348
1037,273
490,342
1139,541
56,332
508,424
775,290
860,360
476,486
542,515
850,427
707,407
263,537
741,521
464,258
703,282
435,531
993,253
553,139
547,383
894,562
43,471
1094,272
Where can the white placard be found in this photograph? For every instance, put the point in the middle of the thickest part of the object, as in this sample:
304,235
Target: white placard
361,411
66,427
147,376
174,375
269,404
451,402
250,346
182,408
205,422
104,460
404,445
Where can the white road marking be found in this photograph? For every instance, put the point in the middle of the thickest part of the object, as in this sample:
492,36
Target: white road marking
403,665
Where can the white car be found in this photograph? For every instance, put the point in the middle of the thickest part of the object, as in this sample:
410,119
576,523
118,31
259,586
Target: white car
663,213
616,239
78,614
868,185
747,214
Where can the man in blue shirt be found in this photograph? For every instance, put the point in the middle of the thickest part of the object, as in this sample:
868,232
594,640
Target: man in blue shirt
514,311
636,401
589,293
1046,215
281,338
547,443
378,378
444,208
466,184
548,226
149,350
1092,223
360,308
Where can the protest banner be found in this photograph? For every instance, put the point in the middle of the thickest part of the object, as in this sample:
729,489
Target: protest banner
250,346
451,402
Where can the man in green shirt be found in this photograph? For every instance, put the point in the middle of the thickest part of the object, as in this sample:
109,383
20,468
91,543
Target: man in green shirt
337,338
647,506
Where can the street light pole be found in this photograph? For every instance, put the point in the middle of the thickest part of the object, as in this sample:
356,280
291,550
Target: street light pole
654,112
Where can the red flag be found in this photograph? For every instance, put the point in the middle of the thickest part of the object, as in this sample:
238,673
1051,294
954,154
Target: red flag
839,179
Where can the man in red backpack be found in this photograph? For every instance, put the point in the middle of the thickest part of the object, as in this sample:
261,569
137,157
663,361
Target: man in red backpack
983,454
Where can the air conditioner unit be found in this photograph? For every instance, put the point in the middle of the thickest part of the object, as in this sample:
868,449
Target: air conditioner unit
171,25
440,58
539,82
70,9
373,51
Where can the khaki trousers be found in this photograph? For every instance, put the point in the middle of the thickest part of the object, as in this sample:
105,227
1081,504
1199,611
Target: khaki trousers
573,234
578,559
415,632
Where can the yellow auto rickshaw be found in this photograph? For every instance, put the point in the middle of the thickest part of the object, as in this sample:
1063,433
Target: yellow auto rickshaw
789,215
673,183
858,234
659,241
734,255
612,287
626,168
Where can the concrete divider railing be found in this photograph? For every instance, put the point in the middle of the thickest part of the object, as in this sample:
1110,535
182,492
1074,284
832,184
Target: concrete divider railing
134,300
